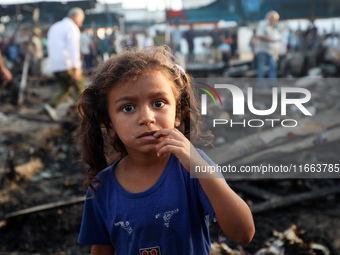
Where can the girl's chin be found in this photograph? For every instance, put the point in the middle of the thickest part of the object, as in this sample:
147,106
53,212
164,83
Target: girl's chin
149,149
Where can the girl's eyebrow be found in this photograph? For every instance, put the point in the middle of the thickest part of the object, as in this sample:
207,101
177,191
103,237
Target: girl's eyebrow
152,95
158,94
127,98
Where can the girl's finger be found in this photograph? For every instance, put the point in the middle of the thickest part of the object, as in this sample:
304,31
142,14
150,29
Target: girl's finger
177,151
170,142
172,133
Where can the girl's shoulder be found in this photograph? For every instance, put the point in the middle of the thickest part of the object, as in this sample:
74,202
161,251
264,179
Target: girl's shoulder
105,179
105,176
105,173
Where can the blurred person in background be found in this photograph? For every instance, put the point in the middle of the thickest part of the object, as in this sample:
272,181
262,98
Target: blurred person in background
266,33
252,46
87,50
148,41
131,41
12,50
113,40
217,39
64,55
158,39
23,42
176,38
106,47
234,44
98,45
36,52
189,36
225,50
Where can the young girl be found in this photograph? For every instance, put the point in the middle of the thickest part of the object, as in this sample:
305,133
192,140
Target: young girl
134,131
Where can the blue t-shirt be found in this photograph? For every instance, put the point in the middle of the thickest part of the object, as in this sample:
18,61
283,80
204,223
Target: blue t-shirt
171,217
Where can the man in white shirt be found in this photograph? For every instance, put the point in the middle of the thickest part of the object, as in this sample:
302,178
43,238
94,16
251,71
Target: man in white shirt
63,42
266,33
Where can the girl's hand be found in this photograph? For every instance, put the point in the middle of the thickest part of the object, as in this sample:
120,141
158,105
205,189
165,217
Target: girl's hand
231,212
176,143
6,76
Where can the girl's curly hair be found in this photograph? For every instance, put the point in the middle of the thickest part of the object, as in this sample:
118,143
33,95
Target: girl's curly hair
98,150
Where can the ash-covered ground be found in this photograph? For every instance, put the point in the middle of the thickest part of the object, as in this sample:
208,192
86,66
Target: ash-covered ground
39,166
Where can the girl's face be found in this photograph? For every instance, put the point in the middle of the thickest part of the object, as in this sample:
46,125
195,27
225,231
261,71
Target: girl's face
139,108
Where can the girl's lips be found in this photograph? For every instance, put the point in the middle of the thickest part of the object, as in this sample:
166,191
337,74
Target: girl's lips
147,135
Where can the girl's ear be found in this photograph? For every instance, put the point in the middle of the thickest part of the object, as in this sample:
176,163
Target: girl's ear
177,122
111,132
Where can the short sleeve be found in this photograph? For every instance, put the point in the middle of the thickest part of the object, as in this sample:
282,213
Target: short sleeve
92,230
207,207
260,28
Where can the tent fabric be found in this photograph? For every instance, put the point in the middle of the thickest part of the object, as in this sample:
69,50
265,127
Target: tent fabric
244,11
212,13
293,9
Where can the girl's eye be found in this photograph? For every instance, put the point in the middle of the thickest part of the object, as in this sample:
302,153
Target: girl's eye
128,108
158,103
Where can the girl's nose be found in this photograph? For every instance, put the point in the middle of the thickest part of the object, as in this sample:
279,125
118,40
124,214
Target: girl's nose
146,116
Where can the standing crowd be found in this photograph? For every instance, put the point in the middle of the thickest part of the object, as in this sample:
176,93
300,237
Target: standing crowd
73,51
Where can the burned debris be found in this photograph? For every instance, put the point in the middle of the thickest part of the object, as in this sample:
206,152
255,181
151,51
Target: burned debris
42,194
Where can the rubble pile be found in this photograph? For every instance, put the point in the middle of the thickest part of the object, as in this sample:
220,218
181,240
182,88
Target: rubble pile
288,242
38,167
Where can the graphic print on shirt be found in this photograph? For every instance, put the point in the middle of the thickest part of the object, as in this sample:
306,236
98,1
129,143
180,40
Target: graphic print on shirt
125,226
167,216
150,251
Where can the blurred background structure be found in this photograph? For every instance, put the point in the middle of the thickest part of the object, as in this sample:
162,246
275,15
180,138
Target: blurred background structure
116,24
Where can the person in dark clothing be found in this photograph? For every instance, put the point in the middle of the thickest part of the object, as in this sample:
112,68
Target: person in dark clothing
234,53
189,36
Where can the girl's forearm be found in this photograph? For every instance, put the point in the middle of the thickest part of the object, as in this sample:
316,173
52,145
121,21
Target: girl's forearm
231,211
103,250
